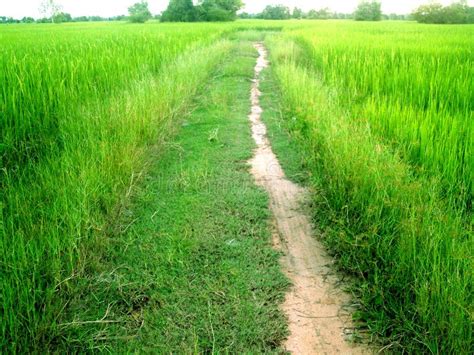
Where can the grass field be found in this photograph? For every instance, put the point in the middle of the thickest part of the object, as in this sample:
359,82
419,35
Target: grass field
78,113
125,193
383,114
409,82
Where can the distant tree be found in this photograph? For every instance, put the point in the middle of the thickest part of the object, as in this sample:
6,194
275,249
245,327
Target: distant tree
244,15
97,18
43,20
429,13
179,11
139,12
218,10
27,20
49,9
81,19
4,19
61,17
321,14
206,10
368,11
276,12
457,13
297,13
395,17
340,16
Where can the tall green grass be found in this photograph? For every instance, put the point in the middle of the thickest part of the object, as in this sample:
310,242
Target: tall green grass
80,105
413,84
383,113
389,218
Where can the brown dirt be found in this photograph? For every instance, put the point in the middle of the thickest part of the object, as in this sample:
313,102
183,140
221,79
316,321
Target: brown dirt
316,306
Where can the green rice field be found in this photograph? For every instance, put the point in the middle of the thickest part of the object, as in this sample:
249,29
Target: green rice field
96,128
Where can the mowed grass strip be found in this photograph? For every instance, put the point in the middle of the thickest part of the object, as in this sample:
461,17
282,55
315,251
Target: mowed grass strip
195,270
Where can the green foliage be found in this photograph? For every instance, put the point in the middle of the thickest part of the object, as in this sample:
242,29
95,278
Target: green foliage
436,106
386,133
49,9
245,15
383,114
139,12
456,13
62,17
322,14
219,10
297,13
368,11
80,107
27,20
197,271
179,11
207,10
396,17
276,12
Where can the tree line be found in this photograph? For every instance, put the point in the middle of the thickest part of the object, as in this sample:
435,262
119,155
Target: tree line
206,10
281,12
61,18
366,11
458,12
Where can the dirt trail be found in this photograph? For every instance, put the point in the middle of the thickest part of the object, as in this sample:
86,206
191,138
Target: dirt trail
319,322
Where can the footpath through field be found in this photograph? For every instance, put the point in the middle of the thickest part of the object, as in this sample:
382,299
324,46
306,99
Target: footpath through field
197,269
316,306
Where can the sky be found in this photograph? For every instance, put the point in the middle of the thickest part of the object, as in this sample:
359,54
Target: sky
107,8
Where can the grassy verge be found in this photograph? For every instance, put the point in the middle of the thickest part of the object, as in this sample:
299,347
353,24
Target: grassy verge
190,267
412,258
54,221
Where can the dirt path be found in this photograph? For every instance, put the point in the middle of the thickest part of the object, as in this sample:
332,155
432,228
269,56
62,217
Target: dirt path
318,320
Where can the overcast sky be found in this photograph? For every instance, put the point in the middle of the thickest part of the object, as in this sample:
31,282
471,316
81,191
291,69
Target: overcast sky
105,8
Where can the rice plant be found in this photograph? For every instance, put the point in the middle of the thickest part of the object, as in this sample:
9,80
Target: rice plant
412,83
383,115
79,105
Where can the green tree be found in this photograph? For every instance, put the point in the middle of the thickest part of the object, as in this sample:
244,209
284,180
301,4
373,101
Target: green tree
322,14
276,12
457,13
245,15
4,19
49,9
139,12
368,11
179,11
27,20
297,13
61,17
219,10
429,13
